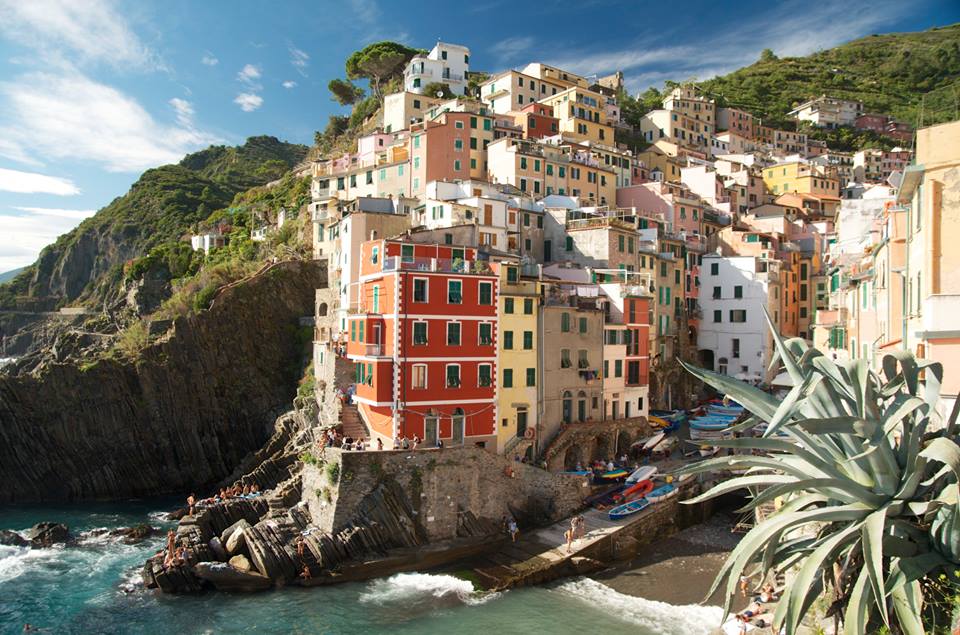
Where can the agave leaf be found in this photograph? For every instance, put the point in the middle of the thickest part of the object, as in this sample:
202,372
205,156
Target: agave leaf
857,616
779,445
835,381
845,490
908,368
901,406
799,597
873,557
841,425
899,547
906,570
951,429
943,451
786,411
933,377
907,603
740,482
753,399
789,363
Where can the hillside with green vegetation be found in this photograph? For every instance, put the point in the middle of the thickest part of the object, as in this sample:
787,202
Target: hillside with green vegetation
87,264
889,73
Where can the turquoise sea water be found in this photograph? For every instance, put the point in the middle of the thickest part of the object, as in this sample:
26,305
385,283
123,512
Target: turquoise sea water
94,588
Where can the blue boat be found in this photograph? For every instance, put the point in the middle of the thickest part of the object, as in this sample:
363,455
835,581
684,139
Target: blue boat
628,509
662,493
709,425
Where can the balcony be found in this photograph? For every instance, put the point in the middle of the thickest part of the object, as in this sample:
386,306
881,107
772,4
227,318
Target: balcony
398,263
374,350
940,315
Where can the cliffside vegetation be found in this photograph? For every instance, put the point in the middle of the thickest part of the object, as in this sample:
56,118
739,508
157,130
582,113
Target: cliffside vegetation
914,77
86,265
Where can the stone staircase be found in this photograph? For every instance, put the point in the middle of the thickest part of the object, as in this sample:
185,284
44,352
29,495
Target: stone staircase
516,446
351,423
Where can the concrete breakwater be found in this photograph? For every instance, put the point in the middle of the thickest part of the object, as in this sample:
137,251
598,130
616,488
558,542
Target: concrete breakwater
356,515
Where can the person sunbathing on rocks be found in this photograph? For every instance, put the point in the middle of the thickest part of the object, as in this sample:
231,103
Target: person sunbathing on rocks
305,574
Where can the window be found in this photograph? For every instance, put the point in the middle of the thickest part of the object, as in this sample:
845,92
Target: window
528,306
512,274
353,330
473,122
539,222
508,305
486,293
582,361
456,165
528,340
360,336
620,242
419,377
420,289
716,293
508,340
738,291
531,377
419,333
564,322
454,292
565,358
736,347
453,375
453,334
738,315
473,143
718,316
485,334
484,375
376,299
508,378
583,325
569,243
714,268
374,255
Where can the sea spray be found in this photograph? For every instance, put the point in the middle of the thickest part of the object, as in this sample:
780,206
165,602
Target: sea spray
650,615
424,589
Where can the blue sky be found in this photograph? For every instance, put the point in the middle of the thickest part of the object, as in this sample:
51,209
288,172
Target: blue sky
93,92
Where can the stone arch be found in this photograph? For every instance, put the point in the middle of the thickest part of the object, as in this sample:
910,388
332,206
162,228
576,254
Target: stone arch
322,309
572,456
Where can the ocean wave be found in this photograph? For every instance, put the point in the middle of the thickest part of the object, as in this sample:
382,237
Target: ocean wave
412,588
15,561
650,615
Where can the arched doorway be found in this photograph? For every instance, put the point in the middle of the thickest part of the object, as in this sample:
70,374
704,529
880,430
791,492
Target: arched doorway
459,425
581,406
567,406
572,458
706,358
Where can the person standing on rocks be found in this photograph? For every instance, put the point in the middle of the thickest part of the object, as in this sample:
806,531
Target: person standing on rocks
171,547
191,501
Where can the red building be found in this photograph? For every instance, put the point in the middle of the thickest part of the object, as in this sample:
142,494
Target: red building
537,121
636,317
424,343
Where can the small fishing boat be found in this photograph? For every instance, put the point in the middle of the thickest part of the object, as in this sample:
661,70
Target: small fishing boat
614,474
635,491
642,474
602,497
628,509
662,493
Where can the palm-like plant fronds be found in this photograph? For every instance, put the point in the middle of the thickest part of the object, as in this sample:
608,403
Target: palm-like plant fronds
867,474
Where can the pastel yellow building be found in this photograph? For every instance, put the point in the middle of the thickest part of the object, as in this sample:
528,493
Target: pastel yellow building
581,114
518,357
802,177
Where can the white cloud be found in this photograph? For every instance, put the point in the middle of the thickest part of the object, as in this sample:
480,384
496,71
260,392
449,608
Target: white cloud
512,47
365,11
289,84
209,60
29,229
249,75
184,110
299,60
248,102
91,31
33,183
70,116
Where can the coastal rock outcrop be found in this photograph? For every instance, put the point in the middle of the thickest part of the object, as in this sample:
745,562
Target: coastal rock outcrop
184,414
48,533
10,538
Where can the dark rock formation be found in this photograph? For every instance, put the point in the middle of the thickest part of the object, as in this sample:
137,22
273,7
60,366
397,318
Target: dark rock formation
47,533
184,414
12,539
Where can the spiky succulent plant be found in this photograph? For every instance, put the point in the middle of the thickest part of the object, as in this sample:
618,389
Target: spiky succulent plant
865,474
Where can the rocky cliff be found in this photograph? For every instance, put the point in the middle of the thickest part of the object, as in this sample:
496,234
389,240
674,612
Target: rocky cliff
184,414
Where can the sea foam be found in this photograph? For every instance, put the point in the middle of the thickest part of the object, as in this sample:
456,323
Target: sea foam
650,615
412,588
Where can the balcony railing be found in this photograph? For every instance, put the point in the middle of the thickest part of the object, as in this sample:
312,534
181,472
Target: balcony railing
374,350
398,263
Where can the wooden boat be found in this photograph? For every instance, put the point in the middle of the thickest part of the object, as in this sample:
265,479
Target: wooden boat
653,441
642,474
628,509
604,496
662,493
614,474
635,491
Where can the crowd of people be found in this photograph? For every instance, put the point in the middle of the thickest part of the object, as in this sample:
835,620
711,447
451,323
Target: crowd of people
755,608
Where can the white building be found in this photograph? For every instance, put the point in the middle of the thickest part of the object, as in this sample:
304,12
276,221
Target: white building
828,112
206,242
512,90
734,337
446,63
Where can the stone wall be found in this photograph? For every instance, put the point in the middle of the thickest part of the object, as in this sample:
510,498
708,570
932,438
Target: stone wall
442,485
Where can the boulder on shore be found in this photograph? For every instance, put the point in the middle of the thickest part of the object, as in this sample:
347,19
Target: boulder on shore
236,541
134,534
227,578
240,563
47,533
217,548
11,538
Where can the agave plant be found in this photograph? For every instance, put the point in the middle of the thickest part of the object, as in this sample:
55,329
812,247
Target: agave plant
865,473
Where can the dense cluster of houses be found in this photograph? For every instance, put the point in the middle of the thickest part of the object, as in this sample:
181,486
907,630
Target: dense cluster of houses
502,266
